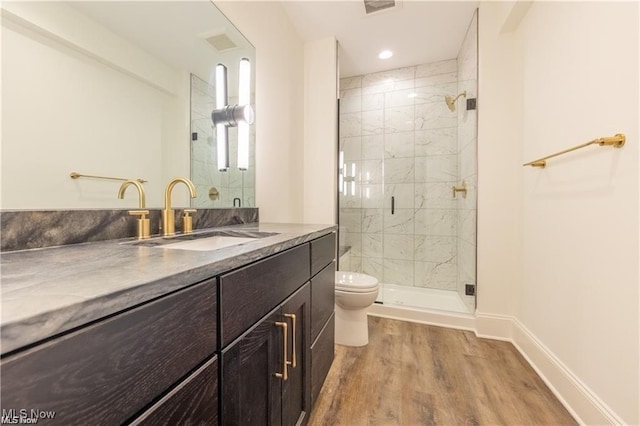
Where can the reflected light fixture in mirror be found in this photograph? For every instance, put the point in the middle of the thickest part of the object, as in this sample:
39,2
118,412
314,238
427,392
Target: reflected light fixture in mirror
240,115
222,140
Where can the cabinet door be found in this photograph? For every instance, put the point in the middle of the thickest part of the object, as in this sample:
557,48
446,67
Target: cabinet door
193,402
296,393
251,390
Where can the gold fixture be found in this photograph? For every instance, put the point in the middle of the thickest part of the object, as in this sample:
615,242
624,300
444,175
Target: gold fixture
143,225
451,102
284,375
616,141
293,363
213,193
138,185
168,216
76,175
143,229
187,220
462,188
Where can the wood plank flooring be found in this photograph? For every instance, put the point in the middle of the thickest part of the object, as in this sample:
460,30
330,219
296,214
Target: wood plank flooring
416,374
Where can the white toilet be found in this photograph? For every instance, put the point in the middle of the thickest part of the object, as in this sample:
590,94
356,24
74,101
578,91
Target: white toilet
355,292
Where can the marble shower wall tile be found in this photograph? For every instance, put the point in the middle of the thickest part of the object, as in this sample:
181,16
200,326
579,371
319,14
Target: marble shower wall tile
399,247
351,148
435,93
351,220
399,170
436,68
434,115
440,222
372,221
435,142
350,124
401,222
351,100
350,83
436,275
399,119
373,147
372,245
435,249
373,122
397,271
399,145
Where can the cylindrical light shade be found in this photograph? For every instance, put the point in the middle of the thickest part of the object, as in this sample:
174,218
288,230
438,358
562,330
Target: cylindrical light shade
222,144
244,78
221,86
244,100
243,145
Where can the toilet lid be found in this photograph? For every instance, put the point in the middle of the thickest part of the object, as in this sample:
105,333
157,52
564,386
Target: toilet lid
355,282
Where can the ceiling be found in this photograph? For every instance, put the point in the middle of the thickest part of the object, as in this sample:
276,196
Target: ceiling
417,32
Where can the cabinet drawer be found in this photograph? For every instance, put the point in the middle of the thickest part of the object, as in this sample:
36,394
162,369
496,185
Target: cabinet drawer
323,251
108,371
248,294
192,402
323,294
322,352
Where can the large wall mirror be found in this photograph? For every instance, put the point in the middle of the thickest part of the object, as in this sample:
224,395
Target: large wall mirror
117,89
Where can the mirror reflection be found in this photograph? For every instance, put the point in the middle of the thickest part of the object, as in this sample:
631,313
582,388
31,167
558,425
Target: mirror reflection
105,89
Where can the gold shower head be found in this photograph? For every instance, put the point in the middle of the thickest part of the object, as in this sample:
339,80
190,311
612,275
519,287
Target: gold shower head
451,102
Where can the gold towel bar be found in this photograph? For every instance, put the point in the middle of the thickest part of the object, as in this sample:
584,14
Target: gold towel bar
616,141
76,175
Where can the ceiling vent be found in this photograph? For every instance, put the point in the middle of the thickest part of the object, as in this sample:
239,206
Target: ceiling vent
221,42
373,6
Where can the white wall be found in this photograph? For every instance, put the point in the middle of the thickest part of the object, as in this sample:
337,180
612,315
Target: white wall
570,290
499,210
279,107
78,98
320,131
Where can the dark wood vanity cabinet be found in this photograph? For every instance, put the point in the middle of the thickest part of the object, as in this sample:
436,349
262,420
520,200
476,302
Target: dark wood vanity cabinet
106,372
207,354
265,381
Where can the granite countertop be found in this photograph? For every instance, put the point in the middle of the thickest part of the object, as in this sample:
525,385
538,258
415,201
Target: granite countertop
51,290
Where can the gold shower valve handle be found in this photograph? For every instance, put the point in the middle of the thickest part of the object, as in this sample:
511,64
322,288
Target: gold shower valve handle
462,188
187,220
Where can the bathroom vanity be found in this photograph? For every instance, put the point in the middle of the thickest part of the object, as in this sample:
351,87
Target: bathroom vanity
141,334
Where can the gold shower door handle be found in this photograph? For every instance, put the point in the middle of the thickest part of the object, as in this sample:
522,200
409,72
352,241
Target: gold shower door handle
284,375
293,363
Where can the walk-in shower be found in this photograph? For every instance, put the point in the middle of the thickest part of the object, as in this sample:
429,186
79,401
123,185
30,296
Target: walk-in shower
406,159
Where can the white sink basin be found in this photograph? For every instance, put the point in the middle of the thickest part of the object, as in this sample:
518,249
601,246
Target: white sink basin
208,244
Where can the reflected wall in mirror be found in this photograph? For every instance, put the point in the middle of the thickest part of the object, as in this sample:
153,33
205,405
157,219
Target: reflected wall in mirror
103,88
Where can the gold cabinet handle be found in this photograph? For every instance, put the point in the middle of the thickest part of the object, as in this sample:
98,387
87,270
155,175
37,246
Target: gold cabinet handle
293,361
284,375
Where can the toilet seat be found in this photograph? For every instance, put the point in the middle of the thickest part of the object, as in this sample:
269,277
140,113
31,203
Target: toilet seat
353,282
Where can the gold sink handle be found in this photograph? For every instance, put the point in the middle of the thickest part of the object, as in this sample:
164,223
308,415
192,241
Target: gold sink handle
187,220
143,223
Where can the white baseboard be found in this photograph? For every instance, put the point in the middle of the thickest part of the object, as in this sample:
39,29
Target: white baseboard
424,316
580,401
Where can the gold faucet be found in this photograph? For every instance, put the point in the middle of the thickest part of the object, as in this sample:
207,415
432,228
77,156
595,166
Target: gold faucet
143,222
168,216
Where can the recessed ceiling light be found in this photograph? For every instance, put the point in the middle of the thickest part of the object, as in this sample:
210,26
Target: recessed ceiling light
385,54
